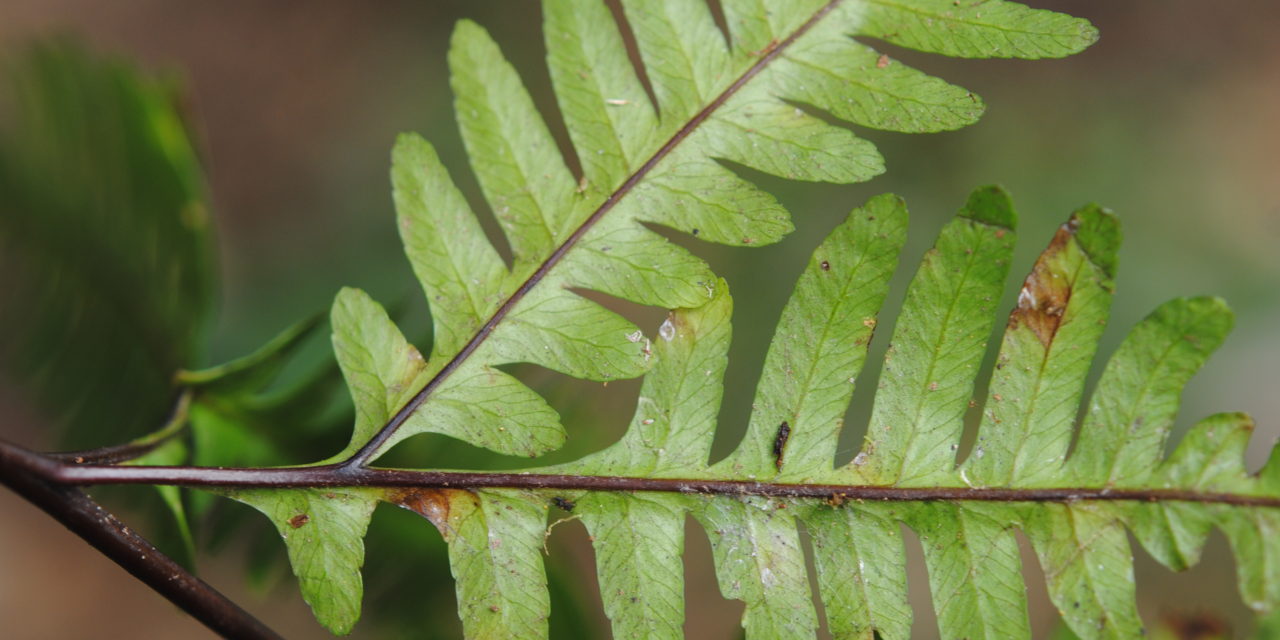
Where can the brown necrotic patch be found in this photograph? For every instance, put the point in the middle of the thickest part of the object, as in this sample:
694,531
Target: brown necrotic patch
1046,291
299,520
432,504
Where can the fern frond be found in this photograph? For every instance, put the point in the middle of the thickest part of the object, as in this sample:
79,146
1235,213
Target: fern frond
650,155
1075,509
654,162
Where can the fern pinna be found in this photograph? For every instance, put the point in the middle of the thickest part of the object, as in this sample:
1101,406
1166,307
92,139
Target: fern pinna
649,138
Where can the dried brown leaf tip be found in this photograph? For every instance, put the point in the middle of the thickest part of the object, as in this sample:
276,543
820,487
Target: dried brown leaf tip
1047,290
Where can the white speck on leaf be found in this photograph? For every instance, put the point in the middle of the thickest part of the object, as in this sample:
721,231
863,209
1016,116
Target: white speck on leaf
635,336
1026,299
667,331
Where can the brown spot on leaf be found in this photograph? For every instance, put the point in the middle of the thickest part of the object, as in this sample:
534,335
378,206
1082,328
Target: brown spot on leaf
299,520
882,61
1045,293
432,504
826,266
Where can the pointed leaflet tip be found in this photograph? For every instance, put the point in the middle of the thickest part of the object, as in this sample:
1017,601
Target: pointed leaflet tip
1211,455
991,205
1210,306
464,31
1097,231
889,203
409,146
1089,35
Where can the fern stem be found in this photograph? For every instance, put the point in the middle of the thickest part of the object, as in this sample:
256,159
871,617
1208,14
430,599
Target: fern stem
116,454
27,474
342,476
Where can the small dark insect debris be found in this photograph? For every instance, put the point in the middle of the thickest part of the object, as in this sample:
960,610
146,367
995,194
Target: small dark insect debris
299,520
696,232
567,505
780,443
826,266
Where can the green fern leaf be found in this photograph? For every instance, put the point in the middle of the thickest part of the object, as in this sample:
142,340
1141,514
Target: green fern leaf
649,155
116,255
1074,509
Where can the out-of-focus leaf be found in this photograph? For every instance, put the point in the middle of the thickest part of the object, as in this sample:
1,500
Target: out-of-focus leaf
106,268
256,369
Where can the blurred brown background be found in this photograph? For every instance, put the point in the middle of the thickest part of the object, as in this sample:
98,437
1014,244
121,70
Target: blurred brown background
1171,120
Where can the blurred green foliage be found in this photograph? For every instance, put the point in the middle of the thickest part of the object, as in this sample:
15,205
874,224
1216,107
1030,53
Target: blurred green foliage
107,255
